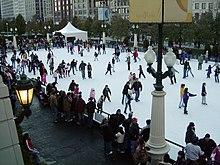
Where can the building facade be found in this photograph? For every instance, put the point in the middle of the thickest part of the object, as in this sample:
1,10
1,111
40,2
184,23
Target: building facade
202,6
62,9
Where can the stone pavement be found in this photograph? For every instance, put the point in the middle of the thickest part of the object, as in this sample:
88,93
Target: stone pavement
67,143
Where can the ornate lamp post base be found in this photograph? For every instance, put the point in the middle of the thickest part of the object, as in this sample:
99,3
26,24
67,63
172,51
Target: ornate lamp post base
157,144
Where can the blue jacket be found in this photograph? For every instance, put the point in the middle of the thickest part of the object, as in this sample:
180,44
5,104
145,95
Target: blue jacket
186,96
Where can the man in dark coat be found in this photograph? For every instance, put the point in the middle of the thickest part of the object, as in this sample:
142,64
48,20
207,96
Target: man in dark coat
207,145
108,137
145,132
80,107
90,106
72,86
82,68
126,124
133,134
137,86
125,91
116,120
190,133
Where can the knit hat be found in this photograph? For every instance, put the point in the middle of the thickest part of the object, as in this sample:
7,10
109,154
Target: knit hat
134,119
191,124
207,135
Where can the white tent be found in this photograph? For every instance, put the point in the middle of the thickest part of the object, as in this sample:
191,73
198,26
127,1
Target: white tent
70,31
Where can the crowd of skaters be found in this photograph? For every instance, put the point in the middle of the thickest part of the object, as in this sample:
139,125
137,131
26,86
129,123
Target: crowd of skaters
75,96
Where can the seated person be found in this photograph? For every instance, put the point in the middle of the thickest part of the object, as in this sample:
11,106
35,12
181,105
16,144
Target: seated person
30,147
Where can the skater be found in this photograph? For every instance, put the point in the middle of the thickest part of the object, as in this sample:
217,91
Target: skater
128,100
217,71
106,92
109,68
204,93
82,68
92,94
185,67
186,96
182,88
113,64
125,91
96,56
100,104
209,71
189,70
141,72
89,69
173,76
200,61
128,60
137,86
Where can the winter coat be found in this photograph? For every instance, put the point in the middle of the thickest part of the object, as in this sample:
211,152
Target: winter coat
186,96
137,86
109,67
203,93
53,101
125,89
67,101
82,66
107,132
80,105
200,59
207,146
92,94
105,91
134,131
216,155
190,134
90,106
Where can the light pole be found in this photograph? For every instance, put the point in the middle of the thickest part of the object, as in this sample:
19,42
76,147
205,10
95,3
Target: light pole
135,28
14,31
103,33
24,90
156,143
47,29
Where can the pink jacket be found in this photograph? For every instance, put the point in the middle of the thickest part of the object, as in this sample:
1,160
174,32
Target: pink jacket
92,93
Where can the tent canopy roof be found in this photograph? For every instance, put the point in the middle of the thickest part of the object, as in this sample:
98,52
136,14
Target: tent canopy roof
69,28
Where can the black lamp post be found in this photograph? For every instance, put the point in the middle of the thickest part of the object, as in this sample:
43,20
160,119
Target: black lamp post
157,144
103,33
24,90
